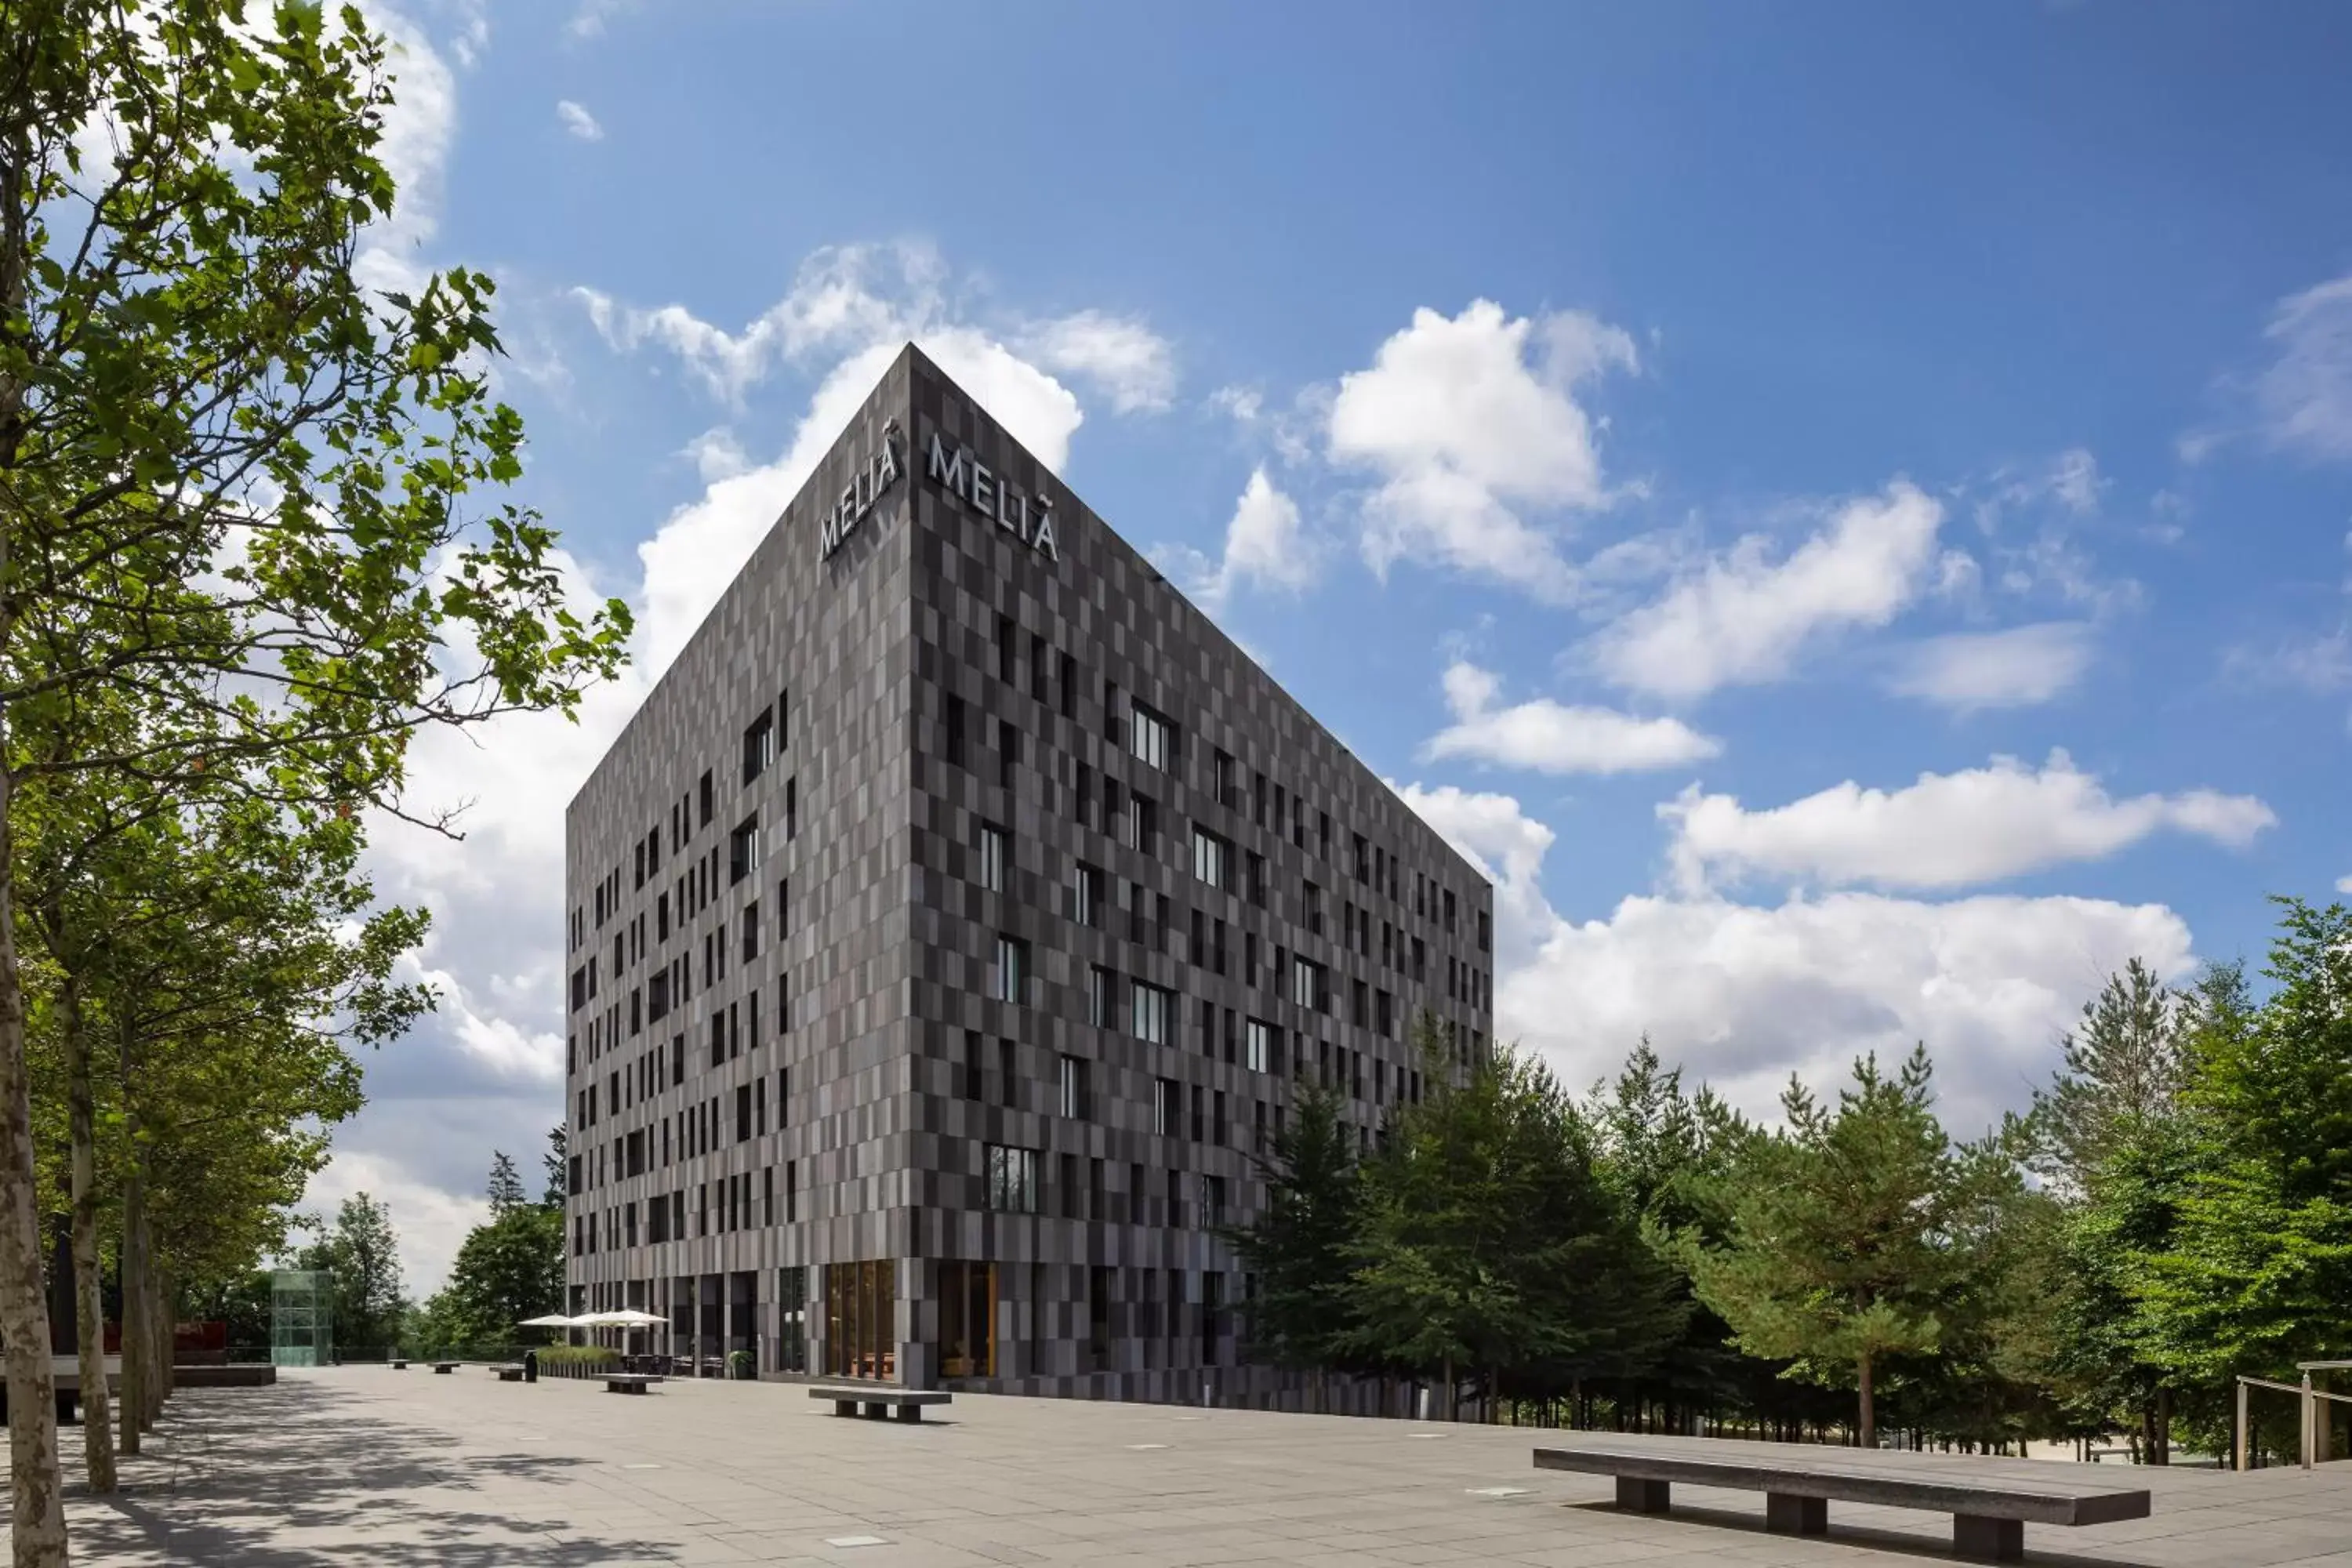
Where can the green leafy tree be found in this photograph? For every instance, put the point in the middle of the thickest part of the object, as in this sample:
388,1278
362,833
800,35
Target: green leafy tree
510,1269
1849,1230
362,1253
2257,1272
234,481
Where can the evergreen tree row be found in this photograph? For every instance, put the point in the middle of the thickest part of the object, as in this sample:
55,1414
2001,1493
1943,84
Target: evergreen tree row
2173,1211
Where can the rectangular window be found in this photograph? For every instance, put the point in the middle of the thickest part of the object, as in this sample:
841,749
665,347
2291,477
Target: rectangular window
1257,878
860,1311
993,854
1011,969
967,1318
1209,856
1012,1175
974,1084
1036,669
1311,900
955,732
751,923
1085,894
1071,1085
1165,1107
743,849
759,745
1151,1006
1151,739
1005,645
1485,932
1102,997
1258,1045
705,802
1306,980
1008,752
1069,686
1226,781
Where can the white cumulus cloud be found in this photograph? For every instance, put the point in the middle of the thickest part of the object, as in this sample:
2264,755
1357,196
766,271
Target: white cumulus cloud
1743,994
1467,422
1554,738
1944,831
576,119
2017,668
1744,617
1131,363
1265,544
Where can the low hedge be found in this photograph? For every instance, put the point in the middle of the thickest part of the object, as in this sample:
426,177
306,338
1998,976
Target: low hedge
578,1355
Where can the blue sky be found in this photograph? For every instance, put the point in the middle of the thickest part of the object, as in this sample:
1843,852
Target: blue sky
1846,510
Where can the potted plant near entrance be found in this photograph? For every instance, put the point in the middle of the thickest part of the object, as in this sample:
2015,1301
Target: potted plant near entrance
739,1365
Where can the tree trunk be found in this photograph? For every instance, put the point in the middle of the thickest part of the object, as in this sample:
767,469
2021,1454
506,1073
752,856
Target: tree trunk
1452,1412
2159,1432
37,1515
159,1310
138,1316
138,1309
1867,1433
89,1303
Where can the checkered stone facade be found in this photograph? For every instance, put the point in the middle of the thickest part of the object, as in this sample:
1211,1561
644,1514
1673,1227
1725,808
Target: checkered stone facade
977,742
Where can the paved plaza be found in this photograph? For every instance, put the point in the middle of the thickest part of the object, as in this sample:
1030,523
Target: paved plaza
363,1466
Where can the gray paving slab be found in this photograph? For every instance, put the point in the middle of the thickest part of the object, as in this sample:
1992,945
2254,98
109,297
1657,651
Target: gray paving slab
359,1465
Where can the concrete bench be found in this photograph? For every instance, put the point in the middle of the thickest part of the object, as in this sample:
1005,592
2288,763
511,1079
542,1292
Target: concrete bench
444,1366
510,1373
627,1381
1989,1507
400,1363
880,1401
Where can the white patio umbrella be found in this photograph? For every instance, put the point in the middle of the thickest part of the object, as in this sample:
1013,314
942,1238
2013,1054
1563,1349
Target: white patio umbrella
552,1320
626,1318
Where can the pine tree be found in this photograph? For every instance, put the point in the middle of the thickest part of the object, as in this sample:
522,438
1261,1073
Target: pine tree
2122,1068
1849,1230
1299,1244
506,1185
555,1166
1491,1244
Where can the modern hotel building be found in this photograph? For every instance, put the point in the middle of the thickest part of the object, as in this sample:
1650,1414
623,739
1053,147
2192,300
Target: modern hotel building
960,912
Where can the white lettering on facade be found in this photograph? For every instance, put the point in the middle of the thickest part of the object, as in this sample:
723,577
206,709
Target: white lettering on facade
860,496
1029,519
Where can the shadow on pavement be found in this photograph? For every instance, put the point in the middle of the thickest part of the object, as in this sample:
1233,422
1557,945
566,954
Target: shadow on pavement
302,1475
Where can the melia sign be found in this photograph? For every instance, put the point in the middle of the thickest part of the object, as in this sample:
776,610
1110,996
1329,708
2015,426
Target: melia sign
859,496
1029,519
